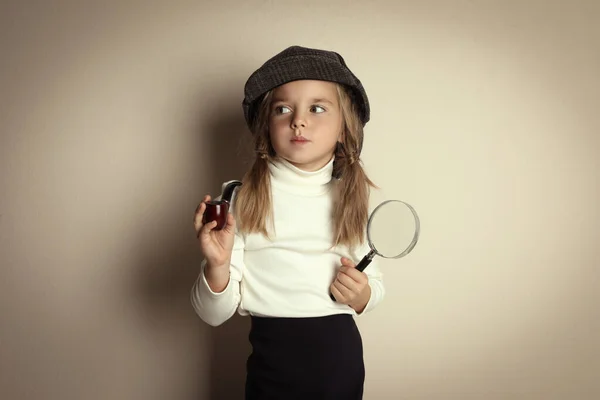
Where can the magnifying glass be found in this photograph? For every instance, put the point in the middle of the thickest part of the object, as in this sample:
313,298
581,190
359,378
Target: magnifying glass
392,232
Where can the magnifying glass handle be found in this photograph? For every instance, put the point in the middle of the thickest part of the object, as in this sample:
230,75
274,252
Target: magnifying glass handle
364,263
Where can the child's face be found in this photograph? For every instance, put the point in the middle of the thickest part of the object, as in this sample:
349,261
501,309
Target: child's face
305,123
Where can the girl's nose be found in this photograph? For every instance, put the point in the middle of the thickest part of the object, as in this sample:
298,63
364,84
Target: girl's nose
298,122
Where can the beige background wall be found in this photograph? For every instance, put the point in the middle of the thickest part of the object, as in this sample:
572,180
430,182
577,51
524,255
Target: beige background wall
117,116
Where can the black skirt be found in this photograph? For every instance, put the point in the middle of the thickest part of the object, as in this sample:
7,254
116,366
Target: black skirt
305,358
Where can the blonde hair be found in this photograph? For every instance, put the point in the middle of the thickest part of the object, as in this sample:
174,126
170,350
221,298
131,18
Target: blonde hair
351,183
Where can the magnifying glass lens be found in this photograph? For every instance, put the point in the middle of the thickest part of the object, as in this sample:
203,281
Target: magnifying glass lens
392,228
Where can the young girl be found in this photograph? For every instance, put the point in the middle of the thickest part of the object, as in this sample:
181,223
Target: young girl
296,230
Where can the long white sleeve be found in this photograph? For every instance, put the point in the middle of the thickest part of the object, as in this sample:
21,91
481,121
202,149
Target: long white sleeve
216,308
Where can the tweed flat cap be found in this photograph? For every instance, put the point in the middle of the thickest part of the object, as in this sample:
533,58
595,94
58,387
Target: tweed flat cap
296,63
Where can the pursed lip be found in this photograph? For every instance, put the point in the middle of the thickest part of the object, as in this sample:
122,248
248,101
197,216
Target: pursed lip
300,139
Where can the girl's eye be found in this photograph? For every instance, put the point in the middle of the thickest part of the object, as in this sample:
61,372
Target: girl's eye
317,109
282,110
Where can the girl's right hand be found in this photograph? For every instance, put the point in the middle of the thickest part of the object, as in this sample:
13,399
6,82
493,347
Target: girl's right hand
216,245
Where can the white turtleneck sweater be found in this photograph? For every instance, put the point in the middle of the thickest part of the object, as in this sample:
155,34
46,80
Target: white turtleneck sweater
289,275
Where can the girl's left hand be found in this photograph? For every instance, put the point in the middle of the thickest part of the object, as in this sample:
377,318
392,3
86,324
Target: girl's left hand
351,286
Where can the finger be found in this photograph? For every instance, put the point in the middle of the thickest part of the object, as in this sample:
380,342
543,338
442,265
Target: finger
207,228
347,262
230,226
199,213
336,293
347,282
344,294
205,231
198,218
204,200
356,275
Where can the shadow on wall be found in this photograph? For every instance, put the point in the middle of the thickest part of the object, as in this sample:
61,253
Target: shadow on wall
164,276
231,156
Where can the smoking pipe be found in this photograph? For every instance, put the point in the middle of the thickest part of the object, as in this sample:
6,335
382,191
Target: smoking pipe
217,210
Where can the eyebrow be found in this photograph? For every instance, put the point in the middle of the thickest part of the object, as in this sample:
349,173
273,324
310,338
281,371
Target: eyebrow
323,100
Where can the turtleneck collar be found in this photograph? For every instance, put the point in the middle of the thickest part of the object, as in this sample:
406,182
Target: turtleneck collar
288,177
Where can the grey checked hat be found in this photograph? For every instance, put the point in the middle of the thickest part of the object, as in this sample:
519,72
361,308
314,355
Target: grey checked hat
296,63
